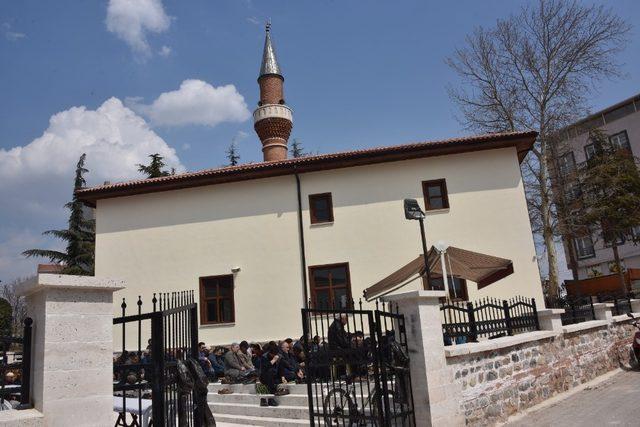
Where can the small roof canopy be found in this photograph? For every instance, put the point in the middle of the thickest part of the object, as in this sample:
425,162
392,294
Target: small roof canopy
474,266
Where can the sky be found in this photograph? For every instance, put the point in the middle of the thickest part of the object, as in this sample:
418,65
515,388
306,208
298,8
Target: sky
121,79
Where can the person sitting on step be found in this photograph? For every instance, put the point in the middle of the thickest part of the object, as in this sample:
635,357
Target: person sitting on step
289,368
235,370
216,357
270,368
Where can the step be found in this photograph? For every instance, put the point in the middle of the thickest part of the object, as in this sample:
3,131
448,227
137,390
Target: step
259,421
255,410
289,400
251,388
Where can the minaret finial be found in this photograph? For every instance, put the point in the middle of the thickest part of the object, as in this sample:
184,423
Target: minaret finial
268,25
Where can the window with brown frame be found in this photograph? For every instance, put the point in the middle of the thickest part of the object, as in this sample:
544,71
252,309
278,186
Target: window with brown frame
330,286
457,287
435,194
216,299
321,208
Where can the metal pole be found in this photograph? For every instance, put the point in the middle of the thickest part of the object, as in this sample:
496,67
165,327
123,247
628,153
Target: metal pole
444,275
424,253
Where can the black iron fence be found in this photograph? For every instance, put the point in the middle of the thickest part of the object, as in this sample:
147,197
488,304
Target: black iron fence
466,321
357,368
576,309
15,369
621,302
146,370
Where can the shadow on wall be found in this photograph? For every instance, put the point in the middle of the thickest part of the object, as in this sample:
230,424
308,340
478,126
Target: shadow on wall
465,173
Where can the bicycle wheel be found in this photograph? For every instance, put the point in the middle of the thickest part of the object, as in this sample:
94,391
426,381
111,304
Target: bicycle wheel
338,408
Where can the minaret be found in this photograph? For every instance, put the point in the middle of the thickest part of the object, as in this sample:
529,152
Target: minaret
272,119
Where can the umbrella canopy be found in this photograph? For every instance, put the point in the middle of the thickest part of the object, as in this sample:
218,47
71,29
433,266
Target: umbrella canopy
474,266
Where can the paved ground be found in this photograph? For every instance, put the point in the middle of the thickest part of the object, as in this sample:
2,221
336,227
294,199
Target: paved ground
614,402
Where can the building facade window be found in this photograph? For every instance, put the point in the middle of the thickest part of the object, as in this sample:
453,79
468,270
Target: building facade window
589,151
584,247
635,233
620,140
216,299
435,194
321,208
567,164
330,286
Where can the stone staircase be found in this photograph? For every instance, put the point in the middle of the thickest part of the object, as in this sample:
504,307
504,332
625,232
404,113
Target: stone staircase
243,406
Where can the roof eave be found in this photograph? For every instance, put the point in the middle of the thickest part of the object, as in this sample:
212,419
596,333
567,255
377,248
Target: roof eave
522,142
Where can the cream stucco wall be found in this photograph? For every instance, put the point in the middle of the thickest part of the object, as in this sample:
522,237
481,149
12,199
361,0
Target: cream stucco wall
165,241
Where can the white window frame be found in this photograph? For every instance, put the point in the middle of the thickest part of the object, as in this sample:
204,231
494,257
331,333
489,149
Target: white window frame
581,247
567,163
589,150
620,140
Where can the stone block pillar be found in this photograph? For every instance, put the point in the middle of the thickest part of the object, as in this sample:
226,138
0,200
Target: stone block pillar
72,348
435,396
603,311
550,319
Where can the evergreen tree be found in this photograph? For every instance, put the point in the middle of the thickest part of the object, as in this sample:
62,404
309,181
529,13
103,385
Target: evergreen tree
80,236
155,168
296,149
610,183
232,154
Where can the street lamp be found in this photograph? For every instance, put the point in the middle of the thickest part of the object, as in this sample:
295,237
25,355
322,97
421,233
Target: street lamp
412,211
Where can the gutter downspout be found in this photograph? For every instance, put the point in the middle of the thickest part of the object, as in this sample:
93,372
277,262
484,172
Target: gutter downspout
303,256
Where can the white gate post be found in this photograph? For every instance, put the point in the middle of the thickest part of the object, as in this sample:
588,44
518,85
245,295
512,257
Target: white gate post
72,376
434,393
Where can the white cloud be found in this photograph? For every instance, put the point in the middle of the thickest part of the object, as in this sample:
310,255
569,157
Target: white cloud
164,51
195,102
11,35
186,146
131,20
37,179
253,20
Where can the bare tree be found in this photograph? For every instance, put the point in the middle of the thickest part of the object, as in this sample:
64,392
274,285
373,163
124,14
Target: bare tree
18,306
534,71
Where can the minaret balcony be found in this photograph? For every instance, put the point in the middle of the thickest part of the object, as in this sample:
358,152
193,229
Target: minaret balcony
272,110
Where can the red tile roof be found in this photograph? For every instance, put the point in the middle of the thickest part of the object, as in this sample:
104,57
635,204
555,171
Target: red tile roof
50,268
522,141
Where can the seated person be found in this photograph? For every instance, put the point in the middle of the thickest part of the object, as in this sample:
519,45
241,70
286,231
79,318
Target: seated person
290,369
234,367
270,368
256,355
360,356
216,357
205,363
245,355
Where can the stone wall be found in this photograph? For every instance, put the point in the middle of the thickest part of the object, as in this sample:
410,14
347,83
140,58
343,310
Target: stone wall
497,382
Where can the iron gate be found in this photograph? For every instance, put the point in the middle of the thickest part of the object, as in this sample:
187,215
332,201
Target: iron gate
357,367
145,373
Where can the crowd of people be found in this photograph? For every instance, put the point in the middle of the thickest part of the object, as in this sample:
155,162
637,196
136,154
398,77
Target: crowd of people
276,363
271,366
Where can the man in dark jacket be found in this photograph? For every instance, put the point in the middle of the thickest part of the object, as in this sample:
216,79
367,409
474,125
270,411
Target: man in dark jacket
338,337
290,370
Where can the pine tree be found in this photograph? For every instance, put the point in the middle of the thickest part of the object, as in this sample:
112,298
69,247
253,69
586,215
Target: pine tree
296,149
610,183
80,236
155,168
232,154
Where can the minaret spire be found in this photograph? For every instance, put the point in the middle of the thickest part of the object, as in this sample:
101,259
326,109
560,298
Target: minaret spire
269,60
272,119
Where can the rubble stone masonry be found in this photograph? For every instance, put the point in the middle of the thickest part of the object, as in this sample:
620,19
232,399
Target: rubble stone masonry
500,382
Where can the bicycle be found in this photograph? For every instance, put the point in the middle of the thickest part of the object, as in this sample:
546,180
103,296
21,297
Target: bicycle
340,405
